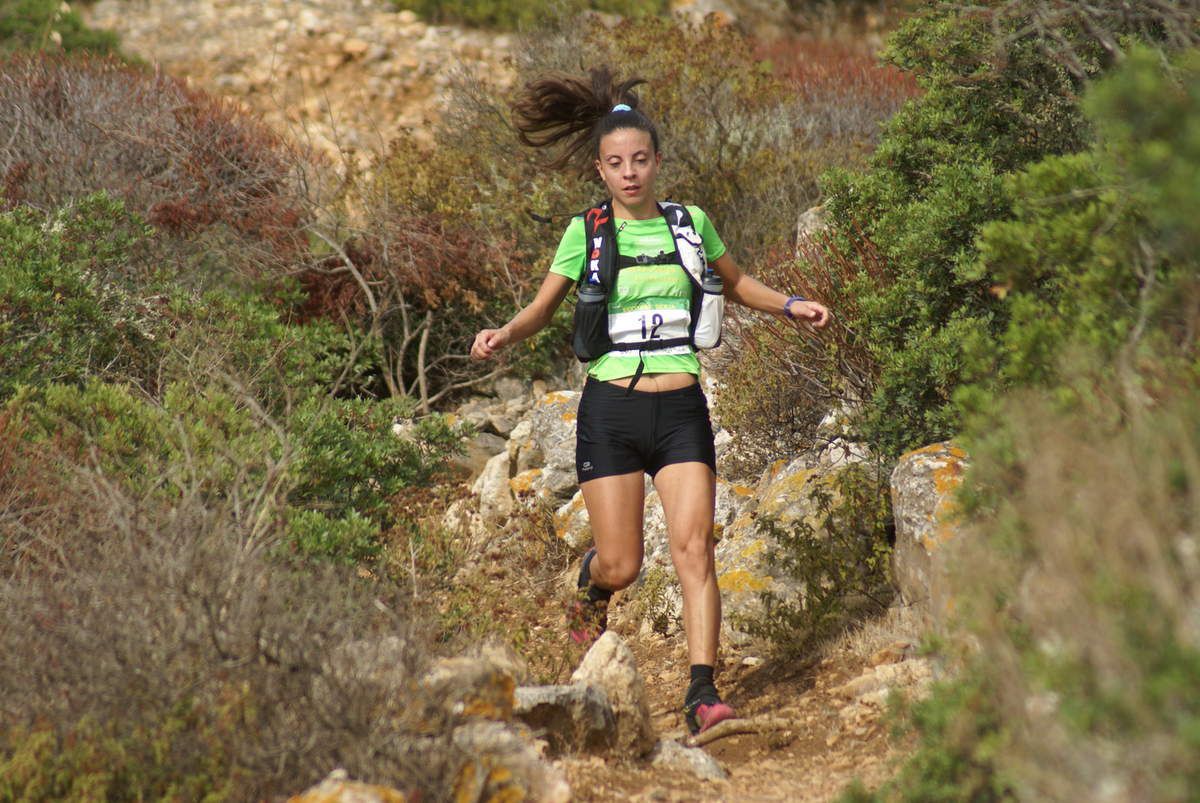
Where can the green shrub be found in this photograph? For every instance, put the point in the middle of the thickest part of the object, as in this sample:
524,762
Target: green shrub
1075,576
1100,253
280,361
66,309
840,557
37,24
348,459
513,14
353,538
995,100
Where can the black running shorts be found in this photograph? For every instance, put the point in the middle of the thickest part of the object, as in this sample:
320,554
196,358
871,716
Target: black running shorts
619,431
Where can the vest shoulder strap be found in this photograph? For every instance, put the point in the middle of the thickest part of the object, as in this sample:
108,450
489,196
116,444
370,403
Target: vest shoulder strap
599,247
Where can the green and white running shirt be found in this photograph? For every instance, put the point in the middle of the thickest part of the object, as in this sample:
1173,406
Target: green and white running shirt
641,286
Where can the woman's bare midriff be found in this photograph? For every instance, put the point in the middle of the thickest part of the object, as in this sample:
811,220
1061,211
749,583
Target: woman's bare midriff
656,383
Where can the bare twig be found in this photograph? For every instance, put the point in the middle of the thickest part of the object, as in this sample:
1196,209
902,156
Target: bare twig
734,727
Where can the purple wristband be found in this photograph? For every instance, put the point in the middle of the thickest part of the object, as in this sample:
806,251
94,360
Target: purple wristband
786,312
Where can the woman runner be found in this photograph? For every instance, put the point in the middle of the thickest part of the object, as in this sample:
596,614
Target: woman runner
642,409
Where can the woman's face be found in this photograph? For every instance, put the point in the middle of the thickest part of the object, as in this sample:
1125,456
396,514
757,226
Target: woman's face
628,165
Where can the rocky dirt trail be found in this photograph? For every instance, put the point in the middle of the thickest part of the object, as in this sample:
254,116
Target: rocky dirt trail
341,75
350,75
836,700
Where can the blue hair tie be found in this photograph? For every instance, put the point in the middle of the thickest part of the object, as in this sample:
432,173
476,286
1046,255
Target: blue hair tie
622,107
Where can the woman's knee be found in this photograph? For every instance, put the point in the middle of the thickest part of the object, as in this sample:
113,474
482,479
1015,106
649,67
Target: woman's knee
692,552
616,571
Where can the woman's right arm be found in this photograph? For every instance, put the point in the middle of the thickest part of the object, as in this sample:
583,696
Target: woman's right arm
528,321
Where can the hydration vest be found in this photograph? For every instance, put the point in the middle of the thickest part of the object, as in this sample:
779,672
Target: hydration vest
597,331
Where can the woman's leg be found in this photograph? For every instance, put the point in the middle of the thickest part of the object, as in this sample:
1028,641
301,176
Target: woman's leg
688,493
615,507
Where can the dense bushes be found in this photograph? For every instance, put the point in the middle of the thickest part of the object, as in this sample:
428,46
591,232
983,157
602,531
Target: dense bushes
66,310
225,189
933,181
154,647
1076,582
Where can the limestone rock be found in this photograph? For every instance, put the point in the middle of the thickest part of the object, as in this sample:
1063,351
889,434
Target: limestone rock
501,421
609,665
492,489
670,753
553,429
812,221
480,448
472,687
523,450
570,718
923,486
338,788
571,523
508,387
504,766
915,673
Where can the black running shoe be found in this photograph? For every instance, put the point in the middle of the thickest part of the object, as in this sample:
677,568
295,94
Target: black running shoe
587,618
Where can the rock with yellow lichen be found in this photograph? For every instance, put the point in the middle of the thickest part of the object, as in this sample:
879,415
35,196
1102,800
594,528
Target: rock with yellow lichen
338,788
787,493
553,431
571,523
924,484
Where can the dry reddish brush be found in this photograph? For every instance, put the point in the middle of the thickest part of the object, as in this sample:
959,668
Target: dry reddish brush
845,92
189,163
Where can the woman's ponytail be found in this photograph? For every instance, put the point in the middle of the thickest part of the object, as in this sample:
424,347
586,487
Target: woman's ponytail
578,111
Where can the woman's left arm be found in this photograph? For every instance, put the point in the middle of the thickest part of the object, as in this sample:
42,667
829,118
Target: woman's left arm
750,292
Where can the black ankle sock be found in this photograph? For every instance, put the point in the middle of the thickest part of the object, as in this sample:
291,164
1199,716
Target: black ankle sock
597,594
702,689
594,592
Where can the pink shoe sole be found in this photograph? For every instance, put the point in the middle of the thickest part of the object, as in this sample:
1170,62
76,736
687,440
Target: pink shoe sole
709,715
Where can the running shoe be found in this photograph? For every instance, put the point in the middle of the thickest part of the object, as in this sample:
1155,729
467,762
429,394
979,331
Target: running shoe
587,619
700,716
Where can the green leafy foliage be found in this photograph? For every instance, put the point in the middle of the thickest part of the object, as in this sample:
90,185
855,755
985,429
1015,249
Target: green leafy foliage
1100,252
1075,584
66,310
514,14
348,459
49,25
934,180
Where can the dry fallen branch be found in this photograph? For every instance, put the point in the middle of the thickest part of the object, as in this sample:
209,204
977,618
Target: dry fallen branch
735,727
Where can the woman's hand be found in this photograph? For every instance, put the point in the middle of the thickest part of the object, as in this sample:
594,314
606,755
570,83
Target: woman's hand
488,342
813,312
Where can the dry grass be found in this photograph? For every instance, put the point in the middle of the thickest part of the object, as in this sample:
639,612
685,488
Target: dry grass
163,636
899,623
1080,584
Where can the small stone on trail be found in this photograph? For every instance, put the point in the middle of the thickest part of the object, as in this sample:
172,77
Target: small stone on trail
670,753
